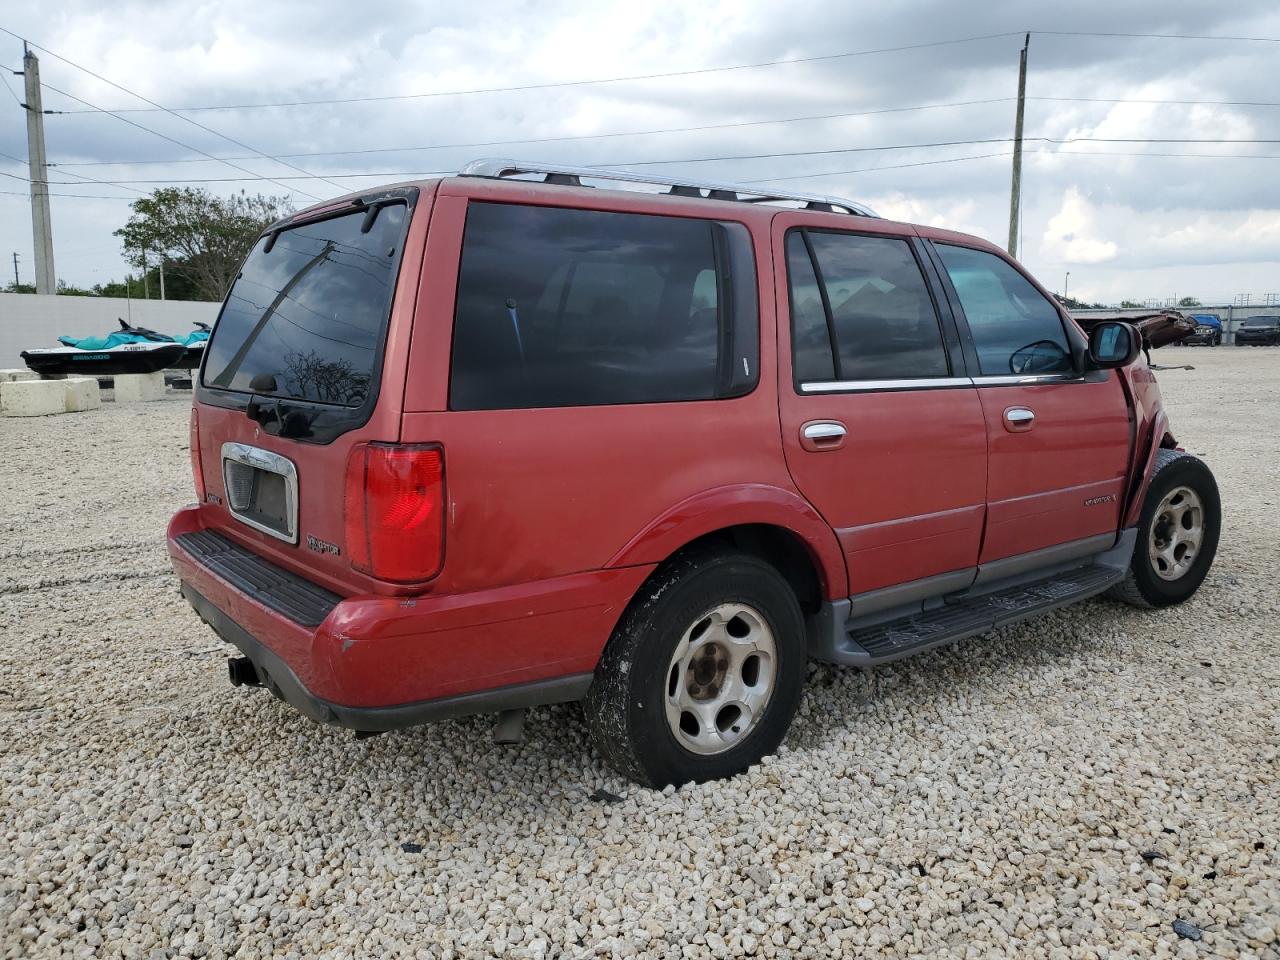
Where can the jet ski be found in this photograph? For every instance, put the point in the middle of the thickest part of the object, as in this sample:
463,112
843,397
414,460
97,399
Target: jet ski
124,351
194,343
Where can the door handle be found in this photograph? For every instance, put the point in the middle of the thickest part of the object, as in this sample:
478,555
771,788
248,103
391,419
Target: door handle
820,435
1019,419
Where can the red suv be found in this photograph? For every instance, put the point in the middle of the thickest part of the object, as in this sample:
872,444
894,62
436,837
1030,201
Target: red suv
477,444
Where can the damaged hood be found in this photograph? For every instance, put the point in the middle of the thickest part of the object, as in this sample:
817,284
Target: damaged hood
1158,327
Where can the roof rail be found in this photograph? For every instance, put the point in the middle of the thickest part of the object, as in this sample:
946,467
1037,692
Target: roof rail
745,193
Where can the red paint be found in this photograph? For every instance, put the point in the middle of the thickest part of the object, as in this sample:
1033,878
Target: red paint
1040,481
905,493
553,518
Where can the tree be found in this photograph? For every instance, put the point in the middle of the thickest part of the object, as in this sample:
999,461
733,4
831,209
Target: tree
1130,305
202,237
1189,302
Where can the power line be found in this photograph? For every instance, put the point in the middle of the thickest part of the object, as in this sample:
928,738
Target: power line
16,99
666,130
831,173
578,137
185,146
1188,103
194,123
401,174
1152,36
71,173
578,83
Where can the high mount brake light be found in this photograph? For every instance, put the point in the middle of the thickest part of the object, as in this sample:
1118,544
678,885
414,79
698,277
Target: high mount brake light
395,510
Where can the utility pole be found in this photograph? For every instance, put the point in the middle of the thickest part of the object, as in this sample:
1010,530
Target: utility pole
41,222
15,271
1066,286
146,287
1015,196
162,276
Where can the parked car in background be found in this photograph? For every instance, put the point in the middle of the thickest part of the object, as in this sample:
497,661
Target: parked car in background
481,443
1259,332
1208,331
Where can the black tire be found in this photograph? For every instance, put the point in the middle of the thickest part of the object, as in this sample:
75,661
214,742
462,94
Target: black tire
625,707
1142,586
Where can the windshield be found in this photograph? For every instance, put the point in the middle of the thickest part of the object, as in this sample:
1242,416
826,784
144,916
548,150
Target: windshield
305,319
1262,322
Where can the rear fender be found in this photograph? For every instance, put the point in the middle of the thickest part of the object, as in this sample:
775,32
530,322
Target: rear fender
735,505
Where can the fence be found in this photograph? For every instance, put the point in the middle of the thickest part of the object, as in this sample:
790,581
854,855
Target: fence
1232,317
30,320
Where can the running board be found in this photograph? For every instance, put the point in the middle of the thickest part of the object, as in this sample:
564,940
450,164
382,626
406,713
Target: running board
967,615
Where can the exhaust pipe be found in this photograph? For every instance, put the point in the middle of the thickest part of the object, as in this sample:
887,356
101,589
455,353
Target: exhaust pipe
243,673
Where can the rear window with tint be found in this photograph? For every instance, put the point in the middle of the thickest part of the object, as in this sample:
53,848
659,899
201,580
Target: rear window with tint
561,307
306,319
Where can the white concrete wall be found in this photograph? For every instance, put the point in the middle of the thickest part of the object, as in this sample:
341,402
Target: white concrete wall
30,320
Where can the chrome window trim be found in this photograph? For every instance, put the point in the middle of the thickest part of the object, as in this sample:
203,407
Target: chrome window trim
858,386
933,383
1016,380
270,462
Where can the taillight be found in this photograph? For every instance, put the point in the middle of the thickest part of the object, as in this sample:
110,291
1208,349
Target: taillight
197,467
395,510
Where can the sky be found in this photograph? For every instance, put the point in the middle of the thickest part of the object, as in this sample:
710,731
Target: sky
1136,220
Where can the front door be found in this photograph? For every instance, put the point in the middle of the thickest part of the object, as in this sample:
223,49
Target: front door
1058,437
882,429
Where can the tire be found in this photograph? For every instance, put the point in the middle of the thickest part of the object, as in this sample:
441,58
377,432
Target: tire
692,612
1169,563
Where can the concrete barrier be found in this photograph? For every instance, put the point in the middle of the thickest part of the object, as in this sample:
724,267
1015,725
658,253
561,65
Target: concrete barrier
33,398
17,373
138,387
81,393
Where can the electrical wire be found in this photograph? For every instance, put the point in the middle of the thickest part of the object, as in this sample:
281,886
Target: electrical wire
563,139
185,146
194,123
575,83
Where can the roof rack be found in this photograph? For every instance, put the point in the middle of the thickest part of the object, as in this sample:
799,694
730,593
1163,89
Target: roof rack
573,176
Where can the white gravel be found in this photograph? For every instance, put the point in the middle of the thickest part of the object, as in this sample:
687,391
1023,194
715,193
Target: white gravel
1066,788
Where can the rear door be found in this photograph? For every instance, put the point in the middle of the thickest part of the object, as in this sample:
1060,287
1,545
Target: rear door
1058,438
306,360
882,429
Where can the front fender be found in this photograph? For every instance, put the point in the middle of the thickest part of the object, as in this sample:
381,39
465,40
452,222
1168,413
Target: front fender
735,505
1156,436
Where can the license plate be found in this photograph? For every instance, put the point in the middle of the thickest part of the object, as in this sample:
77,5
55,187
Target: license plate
262,489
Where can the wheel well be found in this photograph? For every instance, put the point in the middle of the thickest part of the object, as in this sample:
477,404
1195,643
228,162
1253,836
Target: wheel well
778,547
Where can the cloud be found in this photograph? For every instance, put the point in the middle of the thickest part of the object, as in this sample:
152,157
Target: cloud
1151,222
1070,235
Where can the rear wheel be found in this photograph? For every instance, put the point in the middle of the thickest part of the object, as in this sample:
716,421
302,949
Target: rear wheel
1177,533
703,674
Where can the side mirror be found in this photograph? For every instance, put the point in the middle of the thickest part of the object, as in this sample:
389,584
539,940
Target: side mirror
1113,344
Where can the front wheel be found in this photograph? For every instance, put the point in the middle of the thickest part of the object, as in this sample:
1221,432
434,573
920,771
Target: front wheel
703,674
1177,533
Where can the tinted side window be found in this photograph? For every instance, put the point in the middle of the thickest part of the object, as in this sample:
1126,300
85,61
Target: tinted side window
562,307
879,308
1015,329
810,342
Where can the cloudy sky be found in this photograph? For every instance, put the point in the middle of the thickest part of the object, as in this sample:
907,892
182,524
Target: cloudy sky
1127,219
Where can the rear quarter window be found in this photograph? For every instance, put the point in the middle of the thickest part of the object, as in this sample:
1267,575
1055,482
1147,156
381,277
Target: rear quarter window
562,307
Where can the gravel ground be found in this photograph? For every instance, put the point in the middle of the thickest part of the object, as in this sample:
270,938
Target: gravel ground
1071,787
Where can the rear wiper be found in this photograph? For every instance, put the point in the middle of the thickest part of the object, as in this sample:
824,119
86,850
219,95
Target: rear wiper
255,410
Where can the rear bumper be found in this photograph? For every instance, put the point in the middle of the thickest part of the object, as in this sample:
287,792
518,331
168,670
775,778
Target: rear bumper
281,681
377,663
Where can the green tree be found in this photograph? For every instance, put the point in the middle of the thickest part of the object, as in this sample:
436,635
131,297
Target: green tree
202,237
1189,302
1130,305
